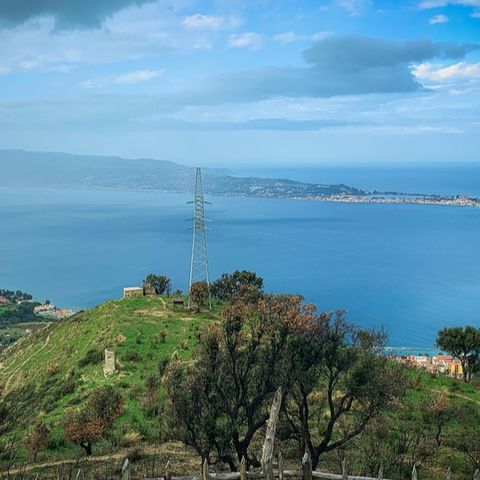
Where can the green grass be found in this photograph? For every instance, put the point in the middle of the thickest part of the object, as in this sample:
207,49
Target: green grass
29,389
132,327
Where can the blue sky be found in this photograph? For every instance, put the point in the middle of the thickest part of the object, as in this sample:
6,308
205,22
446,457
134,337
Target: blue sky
243,82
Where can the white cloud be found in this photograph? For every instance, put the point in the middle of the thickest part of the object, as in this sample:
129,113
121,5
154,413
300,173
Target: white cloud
427,4
138,76
291,37
138,32
30,64
287,37
354,7
128,78
210,22
439,73
439,19
316,37
245,40
4,71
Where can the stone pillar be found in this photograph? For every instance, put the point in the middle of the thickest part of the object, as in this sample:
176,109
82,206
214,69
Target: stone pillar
109,367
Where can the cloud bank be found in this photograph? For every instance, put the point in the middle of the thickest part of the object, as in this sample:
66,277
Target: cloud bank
69,14
348,65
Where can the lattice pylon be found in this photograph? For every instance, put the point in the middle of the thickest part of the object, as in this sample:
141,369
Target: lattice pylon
199,261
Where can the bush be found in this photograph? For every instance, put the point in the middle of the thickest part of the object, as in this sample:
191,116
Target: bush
132,356
53,368
38,440
134,455
160,284
92,357
162,366
131,438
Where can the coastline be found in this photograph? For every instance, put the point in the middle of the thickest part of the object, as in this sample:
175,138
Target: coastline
399,198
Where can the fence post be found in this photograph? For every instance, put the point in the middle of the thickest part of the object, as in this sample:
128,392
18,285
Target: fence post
380,472
344,469
243,469
449,474
307,466
267,453
205,470
414,472
280,467
476,475
126,470
167,471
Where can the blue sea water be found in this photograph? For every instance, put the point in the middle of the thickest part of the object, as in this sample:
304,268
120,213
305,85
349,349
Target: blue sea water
409,268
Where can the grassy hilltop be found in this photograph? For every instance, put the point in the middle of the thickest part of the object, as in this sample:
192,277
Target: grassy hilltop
57,367
55,370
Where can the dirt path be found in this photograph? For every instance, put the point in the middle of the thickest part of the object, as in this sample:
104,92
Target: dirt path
169,449
457,395
19,367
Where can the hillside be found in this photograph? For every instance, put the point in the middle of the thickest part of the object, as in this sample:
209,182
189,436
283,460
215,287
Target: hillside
60,170
56,368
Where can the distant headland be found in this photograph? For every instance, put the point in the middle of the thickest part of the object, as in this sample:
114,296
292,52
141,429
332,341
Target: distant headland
60,170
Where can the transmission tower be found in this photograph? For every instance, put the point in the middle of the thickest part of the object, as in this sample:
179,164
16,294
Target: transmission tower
199,264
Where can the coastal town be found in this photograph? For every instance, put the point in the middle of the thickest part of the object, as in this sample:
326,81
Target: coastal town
447,201
434,364
51,312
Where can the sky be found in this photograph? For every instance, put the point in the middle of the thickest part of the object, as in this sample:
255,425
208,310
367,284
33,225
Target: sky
243,82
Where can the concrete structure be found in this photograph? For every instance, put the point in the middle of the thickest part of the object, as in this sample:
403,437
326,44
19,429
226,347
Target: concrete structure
148,290
133,292
109,367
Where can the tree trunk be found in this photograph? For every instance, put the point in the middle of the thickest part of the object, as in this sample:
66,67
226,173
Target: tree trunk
267,452
87,446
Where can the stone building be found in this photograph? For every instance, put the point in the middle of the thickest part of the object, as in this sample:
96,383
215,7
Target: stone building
133,292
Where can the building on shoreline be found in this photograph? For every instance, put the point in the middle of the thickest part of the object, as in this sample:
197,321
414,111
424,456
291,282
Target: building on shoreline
50,311
436,364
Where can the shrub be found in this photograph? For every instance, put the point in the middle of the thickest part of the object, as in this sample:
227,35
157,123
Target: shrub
135,454
92,357
53,368
68,386
184,344
151,403
131,438
86,426
38,440
132,356
160,284
162,366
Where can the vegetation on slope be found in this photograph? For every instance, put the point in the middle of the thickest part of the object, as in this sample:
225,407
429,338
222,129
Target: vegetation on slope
57,372
56,369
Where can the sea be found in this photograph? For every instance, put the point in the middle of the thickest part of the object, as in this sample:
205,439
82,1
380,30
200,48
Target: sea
410,269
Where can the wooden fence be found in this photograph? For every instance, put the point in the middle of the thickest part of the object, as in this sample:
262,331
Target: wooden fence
304,473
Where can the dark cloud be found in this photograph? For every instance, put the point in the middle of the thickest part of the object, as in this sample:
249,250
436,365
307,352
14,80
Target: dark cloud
354,52
67,13
349,65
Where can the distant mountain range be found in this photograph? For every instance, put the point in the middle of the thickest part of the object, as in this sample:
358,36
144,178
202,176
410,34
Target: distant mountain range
61,170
